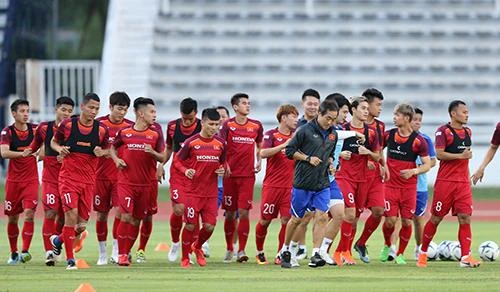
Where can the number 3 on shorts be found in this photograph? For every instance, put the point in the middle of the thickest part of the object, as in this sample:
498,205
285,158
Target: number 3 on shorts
227,201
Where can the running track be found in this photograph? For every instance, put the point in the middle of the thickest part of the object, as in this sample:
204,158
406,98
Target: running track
483,211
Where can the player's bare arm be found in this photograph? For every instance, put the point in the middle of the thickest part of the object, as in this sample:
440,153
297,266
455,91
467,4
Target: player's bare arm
120,164
62,150
441,154
313,160
490,154
8,154
258,165
375,155
157,155
422,168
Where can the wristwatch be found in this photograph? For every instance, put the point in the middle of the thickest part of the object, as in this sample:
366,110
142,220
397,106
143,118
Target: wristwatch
308,158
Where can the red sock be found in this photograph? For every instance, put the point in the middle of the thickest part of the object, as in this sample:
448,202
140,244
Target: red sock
122,237
133,233
428,234
28,229
101,229
68,238
345,235
260,236
187,240
203,236
175,227
371,225
48,229
13,234
465,238
281,237
116,224
229,226
58,226
351,239
196,231
387,231
243,230
404,238
146,229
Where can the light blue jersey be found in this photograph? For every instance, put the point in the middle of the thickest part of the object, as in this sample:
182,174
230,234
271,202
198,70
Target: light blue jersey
336,154
422,184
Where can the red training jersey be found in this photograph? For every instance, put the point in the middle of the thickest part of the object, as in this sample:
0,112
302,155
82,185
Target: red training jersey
495,140
141,166
106,169
80,167
279,169
355,168
51,166
379,127
205,156
240,145
20,169
453,170
408,154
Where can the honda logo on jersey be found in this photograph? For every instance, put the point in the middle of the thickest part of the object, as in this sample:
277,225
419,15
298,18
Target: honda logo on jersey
232,128
197,147
128,135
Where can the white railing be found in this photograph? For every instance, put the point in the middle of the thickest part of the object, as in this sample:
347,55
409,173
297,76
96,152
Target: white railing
42,82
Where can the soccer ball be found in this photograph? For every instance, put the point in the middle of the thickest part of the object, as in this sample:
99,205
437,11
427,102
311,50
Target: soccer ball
444,250
455,251
488,251
432,251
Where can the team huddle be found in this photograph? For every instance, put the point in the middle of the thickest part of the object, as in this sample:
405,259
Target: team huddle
323,168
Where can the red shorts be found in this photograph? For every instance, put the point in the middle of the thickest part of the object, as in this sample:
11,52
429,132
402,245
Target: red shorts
20,196
76,195
454,196
177,194
206,207
50,196
106,196
153,200
134,200
372,194
352,192
275,200
238,193
400,201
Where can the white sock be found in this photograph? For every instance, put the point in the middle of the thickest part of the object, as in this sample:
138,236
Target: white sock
260,251
293,247
114,251
303,246
315,250
393,247
102,249
325,244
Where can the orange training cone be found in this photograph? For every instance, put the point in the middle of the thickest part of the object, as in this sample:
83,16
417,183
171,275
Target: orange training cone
82,264
85,287
162,246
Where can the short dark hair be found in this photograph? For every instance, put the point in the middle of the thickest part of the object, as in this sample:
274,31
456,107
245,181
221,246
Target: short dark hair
14,105
210,114
141,102
221,107
64,100
372,93
310,92
188,105
90,96
340,99
119,98
328,105
356,101
454,104
235,99
418,111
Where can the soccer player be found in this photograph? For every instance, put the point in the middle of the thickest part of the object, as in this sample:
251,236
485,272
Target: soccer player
147,222
404,145
201,160
495,141
135,152
310,105
277,184
81,141
106,197
452,189
21,185
243,136
177,132
351,177
375,176
422,191
312,147
51,166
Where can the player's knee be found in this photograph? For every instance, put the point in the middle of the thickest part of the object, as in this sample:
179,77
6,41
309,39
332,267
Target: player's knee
390,222
243,214
13,219
179,209
284,220
463,219
80,227
102,216
436,220
29,215
230,215
148,218
265,223
126,218
50,214
295,221
406,222
189,227
350,216
209,227
377,212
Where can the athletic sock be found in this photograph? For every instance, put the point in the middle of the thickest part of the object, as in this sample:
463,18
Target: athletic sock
175,227
116,224
68,238
187,240
345,235
404,238
387,231
371,225
101,230
27,235
122,237
465,238
203,236
48,229
243,230
429,231
281,236
13,234
229,226
146,229
325,245
133,233
260,235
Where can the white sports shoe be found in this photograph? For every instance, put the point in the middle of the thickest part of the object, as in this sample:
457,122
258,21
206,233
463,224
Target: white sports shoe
103,260
228,257
206,249
173,254
294,261
327,258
